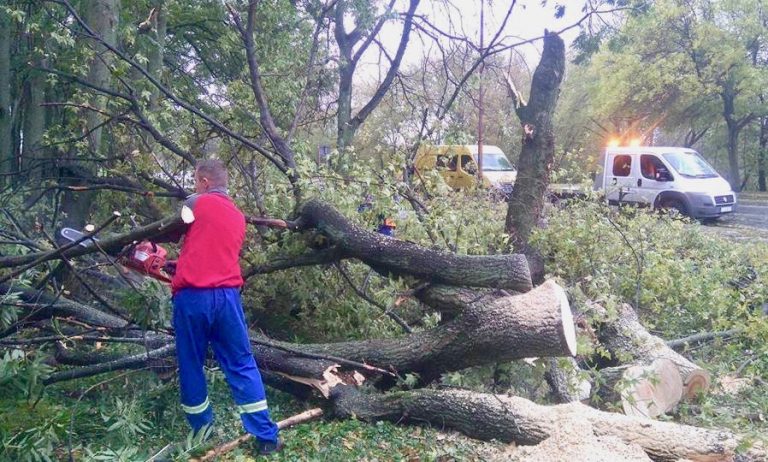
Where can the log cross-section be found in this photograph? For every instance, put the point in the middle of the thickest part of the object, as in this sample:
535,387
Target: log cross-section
626,337
537,323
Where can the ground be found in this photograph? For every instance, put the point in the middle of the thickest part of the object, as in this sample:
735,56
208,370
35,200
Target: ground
748,223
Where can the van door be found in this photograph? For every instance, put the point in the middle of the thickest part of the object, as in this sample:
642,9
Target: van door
622,176
654,178
458,176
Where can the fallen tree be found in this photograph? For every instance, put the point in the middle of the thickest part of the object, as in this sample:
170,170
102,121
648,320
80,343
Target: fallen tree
514,419
484,324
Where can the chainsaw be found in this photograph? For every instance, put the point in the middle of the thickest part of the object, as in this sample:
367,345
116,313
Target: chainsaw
145,257
150,259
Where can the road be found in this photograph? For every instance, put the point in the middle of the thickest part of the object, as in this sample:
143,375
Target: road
749,221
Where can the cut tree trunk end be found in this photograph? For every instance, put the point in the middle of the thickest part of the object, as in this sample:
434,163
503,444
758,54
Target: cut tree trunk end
643,390
626,337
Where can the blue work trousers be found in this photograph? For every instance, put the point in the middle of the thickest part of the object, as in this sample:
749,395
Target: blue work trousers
215,316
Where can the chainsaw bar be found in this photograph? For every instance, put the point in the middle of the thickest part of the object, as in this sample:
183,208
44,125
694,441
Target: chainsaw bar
73,235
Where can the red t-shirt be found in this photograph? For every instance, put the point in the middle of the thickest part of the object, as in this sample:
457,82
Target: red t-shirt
210,253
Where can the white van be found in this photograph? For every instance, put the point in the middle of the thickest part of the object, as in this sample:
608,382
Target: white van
665,177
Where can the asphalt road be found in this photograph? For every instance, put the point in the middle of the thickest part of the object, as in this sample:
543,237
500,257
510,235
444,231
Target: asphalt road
748,223
751,213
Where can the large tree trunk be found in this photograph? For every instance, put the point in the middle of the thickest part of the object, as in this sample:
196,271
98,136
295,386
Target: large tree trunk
538,149
728,95
7,161
762,156
513,419
34,124
102,17
397,257
538,323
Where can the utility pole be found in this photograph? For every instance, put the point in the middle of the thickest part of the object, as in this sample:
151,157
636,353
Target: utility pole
480,98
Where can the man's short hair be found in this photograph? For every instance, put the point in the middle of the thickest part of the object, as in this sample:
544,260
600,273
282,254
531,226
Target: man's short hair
214,170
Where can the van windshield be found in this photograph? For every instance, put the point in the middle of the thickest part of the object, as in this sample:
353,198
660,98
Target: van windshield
690,164
493,162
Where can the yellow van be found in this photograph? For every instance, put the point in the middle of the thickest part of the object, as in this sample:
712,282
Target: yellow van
457,164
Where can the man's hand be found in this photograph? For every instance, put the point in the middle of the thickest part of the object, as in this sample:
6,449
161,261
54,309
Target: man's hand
170,267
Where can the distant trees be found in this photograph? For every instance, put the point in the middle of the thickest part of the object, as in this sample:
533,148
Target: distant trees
687,67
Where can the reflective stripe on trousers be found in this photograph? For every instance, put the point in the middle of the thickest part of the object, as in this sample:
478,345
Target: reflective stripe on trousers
215,316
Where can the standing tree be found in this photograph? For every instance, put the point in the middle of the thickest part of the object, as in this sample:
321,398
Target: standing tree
538,145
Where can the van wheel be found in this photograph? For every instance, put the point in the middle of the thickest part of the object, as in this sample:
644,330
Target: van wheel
673,207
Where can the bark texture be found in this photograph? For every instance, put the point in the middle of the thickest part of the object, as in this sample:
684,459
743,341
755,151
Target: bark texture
567,382
7,163
538,142
398,257
504,329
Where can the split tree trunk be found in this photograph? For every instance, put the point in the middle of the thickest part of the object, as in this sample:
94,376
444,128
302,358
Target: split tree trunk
537,152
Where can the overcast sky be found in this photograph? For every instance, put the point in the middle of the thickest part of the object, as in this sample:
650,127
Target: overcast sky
528,20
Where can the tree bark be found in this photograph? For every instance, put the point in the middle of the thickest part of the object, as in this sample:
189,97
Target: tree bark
538,323
396,257
567,381
513,419
7,161
34,123
762,156
734,125
538,149
102,17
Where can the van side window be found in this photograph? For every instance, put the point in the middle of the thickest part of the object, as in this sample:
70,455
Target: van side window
453,163
622,165
468,165
649,165
441,162
652,167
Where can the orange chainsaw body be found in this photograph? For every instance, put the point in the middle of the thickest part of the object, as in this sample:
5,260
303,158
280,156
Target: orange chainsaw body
147,258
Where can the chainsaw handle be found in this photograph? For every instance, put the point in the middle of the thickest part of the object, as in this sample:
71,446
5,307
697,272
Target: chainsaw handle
271,222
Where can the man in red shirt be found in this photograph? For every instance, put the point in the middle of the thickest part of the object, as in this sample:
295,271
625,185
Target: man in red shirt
207,310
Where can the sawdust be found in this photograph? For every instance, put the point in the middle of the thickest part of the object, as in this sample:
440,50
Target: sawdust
573,443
